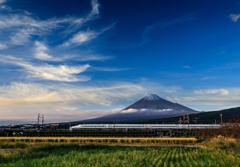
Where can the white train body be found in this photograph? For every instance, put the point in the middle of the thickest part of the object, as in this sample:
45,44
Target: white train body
144,126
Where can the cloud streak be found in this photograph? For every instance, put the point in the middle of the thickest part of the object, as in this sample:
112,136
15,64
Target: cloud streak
49,72
234,17
205,98
3,46
84,36
28,93
164,24
212,92
95,9
22,26
41,53
106,69
78,101
81,37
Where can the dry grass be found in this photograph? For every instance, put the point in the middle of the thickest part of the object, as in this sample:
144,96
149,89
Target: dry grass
101,140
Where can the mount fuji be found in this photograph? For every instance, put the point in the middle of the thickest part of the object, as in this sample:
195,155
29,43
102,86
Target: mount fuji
149,107
154,102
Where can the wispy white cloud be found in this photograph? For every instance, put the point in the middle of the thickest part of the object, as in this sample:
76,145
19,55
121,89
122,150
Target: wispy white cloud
26,21
81,37
90,57
207,78
49,72
187,67
2,1
75,101
21,94
3,46
212,91
40,52
85,36
130,110
234,17
207,99
22,36
25,25
107,69
95,9
77,23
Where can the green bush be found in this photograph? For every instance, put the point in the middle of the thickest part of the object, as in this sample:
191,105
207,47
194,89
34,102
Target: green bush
21,145
6,145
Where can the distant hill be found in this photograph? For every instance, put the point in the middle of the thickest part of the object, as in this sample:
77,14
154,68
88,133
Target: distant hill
203,117
149,107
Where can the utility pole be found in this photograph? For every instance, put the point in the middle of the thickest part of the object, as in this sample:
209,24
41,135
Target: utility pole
113,120
42,121
221,118
186,119
38,120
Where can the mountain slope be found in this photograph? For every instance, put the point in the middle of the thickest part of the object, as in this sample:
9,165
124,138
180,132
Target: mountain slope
154,102
203,117
147,108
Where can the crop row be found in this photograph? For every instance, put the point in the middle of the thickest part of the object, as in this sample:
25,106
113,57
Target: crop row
97,156
98,140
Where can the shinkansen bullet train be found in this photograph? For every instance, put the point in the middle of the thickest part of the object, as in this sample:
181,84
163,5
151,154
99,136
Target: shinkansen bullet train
144,126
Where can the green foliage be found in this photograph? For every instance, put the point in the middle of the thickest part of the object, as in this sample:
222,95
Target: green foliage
231,145
7,145
97,155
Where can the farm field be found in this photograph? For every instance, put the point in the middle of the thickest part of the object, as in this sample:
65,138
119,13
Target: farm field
100,140
97,155
166,152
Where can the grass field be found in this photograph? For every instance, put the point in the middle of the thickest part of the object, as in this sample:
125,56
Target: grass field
22,152
97,155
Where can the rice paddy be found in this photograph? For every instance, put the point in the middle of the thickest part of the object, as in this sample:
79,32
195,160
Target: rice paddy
106,140
125,152
97,155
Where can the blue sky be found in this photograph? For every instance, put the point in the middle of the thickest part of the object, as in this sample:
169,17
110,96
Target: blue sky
73,60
